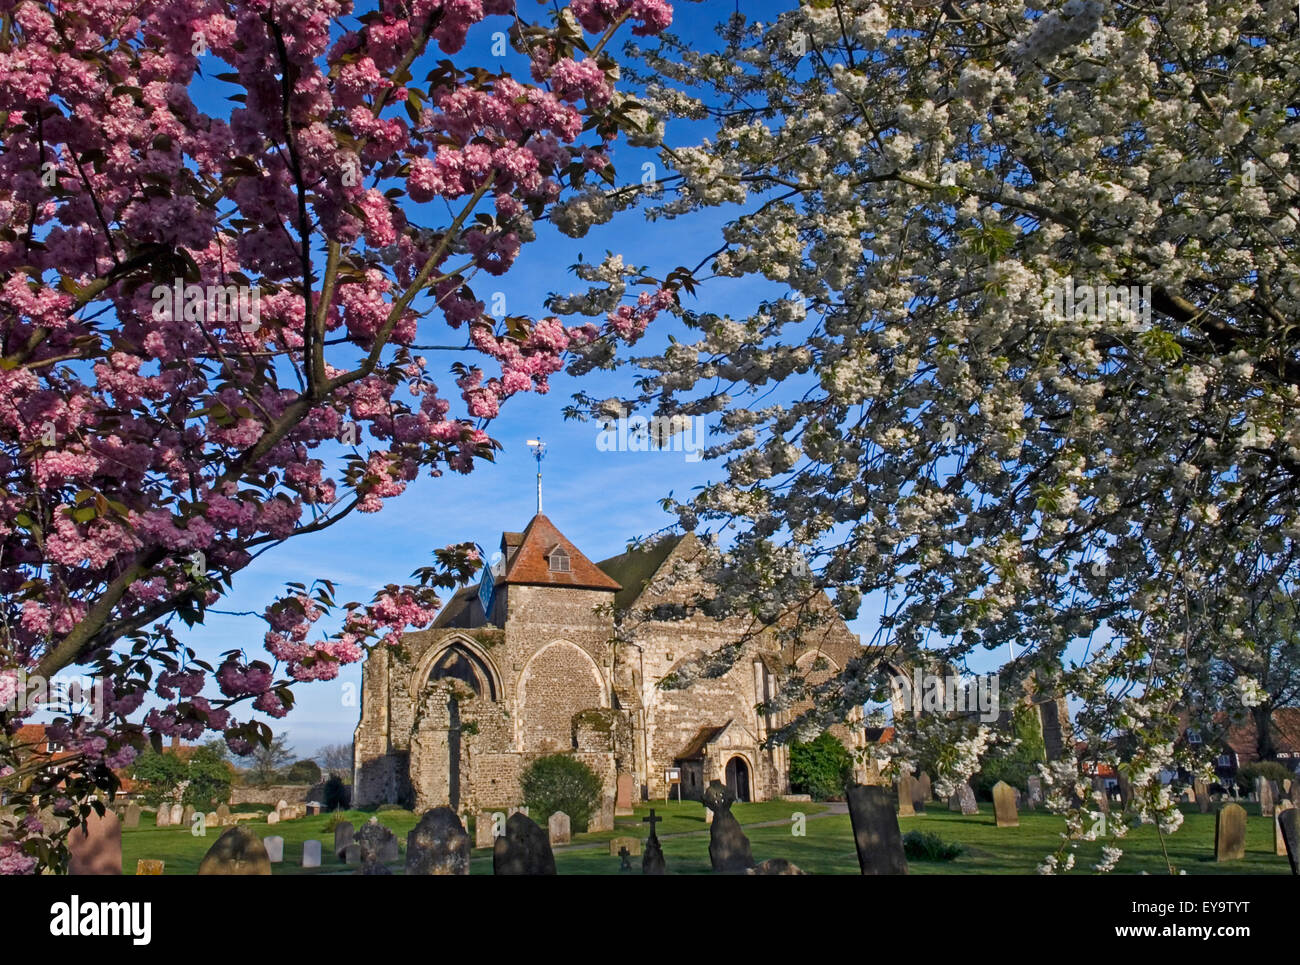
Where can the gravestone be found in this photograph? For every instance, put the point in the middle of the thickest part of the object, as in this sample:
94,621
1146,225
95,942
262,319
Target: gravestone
653,862
906,799
343,836
1035,791
439,844
1279,839
633,846
378,843
352,854
523,849
223,815
237,852
603,818
729,850
557,826
1004,805
1267,799
875,830
273,817
132,819
924,792
1290,822
963,800
163,818
954,801
95,846
484,826
1230,833
1295,792
210,820
149,866
187,816
1202,796
626,788
311,853
281,805
1100,795
177,815
624,860
274,848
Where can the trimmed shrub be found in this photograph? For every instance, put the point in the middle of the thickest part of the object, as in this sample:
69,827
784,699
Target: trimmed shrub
303,772
335,794
928,846
821,767
560,782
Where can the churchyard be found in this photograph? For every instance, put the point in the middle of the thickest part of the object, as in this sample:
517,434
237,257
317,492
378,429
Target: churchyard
826,847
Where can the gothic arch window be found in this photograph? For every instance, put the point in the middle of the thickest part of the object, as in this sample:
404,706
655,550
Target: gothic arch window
459,662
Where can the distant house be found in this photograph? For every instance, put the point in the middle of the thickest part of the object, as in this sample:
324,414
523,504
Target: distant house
1236,748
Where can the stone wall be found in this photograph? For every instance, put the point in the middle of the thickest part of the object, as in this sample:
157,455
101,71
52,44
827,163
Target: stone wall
275,793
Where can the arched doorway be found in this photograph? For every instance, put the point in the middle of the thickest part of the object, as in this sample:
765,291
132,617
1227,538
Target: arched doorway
738,778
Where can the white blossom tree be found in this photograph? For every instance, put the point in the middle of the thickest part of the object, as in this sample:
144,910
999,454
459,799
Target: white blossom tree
1034,378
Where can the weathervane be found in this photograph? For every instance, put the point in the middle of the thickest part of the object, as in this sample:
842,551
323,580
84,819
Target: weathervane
539,451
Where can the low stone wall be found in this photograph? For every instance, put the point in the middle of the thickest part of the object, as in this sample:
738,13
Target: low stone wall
275,793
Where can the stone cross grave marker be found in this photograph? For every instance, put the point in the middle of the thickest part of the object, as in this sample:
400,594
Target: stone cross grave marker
875,830
1004,805
1230,833
653,862
624,864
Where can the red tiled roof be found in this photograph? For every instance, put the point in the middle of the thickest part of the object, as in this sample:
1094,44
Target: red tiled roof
1286,734
530,564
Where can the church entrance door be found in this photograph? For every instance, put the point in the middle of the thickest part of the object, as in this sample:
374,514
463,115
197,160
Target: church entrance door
738,778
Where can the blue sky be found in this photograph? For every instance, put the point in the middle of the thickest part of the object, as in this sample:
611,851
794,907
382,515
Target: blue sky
600,500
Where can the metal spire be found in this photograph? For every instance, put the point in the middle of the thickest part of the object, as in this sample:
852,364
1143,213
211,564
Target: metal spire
539,451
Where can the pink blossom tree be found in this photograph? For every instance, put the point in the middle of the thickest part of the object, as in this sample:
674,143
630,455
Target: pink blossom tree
202,312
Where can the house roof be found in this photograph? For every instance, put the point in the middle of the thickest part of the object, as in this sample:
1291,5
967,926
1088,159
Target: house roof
529,564
636,567
1286,733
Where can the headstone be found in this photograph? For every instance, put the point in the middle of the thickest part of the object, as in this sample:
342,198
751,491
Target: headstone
274,848
439,844
95,846
281,805
963,800
343,836
210,820
1290,822
1279,839
484,826
132,819
311,853
1230,833
626,786
924,792
223,815
1035,791
653,861
603,818
729,850
351,854
1202,796
523,850
557,826
378,843
906,799
177,814
1004,805
1295,792
163,818
1266,798
624,860
633,846
149,866
187,816
237,852
776,866
875,830
1100,795
273,817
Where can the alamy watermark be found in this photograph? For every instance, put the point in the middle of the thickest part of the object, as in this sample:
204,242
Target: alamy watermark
678,433
1098,303
950,694
77,694
228,304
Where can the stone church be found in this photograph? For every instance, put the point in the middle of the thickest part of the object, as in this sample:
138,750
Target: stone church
554,653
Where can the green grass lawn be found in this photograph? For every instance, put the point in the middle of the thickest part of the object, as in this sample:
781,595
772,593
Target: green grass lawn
826,848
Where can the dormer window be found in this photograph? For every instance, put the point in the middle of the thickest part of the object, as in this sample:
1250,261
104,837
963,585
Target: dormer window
558,560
